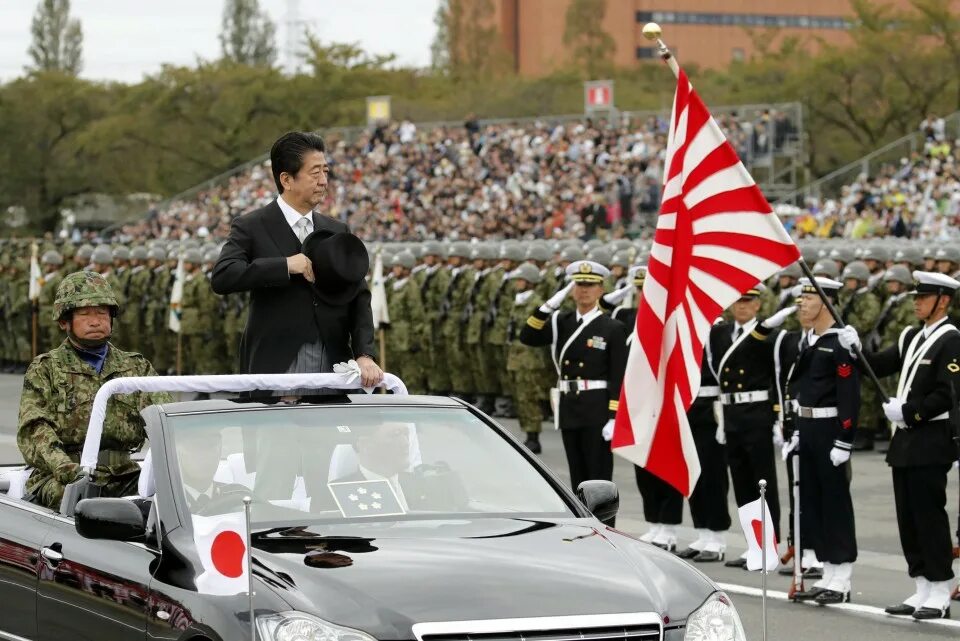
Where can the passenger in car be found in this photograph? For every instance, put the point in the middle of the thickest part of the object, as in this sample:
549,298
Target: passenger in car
58,392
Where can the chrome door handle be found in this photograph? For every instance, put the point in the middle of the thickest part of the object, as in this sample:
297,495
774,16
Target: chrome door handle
51,555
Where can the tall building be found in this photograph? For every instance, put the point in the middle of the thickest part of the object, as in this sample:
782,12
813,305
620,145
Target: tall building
709,33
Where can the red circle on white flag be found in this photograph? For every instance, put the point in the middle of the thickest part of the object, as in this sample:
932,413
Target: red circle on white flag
227,552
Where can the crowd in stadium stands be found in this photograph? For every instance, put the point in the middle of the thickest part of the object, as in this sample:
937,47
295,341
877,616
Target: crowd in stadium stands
917,198
577,179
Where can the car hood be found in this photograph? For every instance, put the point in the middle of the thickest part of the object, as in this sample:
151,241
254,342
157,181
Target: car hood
383,580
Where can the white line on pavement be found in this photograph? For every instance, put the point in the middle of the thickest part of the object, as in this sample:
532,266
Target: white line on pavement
855,608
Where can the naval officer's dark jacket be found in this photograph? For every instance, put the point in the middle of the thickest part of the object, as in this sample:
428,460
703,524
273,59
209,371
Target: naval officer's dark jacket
599,352
826,375
928,439
748,368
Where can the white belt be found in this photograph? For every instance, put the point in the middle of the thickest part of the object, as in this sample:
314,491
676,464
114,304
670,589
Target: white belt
711,391
816,412
580,386
738,398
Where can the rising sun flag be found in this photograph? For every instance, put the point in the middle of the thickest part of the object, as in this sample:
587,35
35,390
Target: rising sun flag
716,237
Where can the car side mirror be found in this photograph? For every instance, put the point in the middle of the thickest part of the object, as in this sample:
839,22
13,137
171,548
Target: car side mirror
110,519
601,497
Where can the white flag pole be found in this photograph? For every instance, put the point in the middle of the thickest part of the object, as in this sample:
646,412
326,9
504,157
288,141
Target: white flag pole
763,555
253,620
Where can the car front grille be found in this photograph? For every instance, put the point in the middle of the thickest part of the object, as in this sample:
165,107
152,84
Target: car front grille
597,627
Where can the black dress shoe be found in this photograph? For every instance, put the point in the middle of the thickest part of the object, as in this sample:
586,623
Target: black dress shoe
813,573
832,597
533,443
808,595
923,614
707,556
688,553
738,562
901,610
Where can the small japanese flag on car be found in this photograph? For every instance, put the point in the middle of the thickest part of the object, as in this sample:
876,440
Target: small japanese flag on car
222,545
750,521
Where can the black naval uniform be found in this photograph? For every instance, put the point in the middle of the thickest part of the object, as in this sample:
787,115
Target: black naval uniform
746,393
922,454
597,353
826,382
708,501
786,349
662,503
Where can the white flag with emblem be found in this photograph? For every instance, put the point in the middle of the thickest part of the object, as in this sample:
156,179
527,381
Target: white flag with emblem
752,524
378,294
222,545
176,296
36,276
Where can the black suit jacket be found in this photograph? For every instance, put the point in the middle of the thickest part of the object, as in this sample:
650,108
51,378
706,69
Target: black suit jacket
926,441
285,313
749,368
599,352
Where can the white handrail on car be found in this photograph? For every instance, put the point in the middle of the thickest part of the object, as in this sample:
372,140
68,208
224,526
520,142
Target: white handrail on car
347,380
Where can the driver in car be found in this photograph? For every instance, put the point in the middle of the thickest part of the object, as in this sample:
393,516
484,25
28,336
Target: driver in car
58,392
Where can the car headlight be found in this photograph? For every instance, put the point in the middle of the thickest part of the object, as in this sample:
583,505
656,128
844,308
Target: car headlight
297,626
715,620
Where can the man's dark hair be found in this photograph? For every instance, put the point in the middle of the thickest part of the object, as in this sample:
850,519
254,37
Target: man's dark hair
287,153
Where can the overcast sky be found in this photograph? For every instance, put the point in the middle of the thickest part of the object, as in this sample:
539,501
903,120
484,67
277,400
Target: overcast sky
123,40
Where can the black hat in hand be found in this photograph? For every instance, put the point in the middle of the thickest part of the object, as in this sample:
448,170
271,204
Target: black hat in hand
340,265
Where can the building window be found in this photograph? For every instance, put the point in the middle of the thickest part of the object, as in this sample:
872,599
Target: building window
646,53
744,19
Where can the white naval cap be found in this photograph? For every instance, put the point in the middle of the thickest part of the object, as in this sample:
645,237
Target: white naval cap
586,271
934,283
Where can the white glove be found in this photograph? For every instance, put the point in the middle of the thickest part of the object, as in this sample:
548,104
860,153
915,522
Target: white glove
721,435
608,431
893,410
556,300
838,457
790,446
777,319
615,297
777,434
352,371
849,339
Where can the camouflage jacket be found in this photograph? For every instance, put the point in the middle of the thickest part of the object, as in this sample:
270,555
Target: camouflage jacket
520,356
199,306
860,308
158,299
408,327
897,314
55,405
454,301
433,285
502,305
485,289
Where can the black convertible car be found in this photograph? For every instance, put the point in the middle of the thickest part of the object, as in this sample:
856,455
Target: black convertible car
471,537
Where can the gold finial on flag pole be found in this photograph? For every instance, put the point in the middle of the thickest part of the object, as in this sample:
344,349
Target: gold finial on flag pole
652,32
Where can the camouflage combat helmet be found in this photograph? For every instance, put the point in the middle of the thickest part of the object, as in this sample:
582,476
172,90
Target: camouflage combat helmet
600,255
51,257
792,270
121,253
157,253
539,252
571,254
528,272
858,270
621,258
211,255
404,259
139,253
460,249
193,255
483,251
84,252
102,255
826,267
433,248
511,252
83,289
898,274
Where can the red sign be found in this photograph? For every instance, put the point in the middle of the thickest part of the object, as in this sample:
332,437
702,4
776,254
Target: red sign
598,95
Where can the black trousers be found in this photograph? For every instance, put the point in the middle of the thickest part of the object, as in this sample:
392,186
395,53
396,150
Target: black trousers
708,501
921,499
750,456
662,503
588,455
826,508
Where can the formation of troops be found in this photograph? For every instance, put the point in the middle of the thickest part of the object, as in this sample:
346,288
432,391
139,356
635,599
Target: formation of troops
536,329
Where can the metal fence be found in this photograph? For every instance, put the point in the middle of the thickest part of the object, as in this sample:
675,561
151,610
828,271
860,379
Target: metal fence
830,185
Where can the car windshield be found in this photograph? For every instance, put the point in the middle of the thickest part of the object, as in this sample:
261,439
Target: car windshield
354,463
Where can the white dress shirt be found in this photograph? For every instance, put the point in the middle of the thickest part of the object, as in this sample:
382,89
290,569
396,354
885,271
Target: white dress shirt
293,216
394,482
930,329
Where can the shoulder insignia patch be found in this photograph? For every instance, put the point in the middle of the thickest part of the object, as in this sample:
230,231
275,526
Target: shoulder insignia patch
953,368
844,370
847,423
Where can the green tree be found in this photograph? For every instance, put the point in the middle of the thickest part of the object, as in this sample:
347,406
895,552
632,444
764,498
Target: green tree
57,39
247,34
440,47
591,47
468,43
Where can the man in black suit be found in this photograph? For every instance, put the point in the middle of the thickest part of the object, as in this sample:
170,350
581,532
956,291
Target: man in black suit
590,354
295,323
922,449
743,361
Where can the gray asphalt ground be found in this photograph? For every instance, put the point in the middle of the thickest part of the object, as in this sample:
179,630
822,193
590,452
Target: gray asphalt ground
879,577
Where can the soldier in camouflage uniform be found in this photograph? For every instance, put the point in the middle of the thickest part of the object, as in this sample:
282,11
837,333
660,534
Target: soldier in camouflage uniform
452,333
407,335
48,332
526,365
198,307
158,312
434,279
58,392
19,314
136,291
860,307
540,256
498,317
486,281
